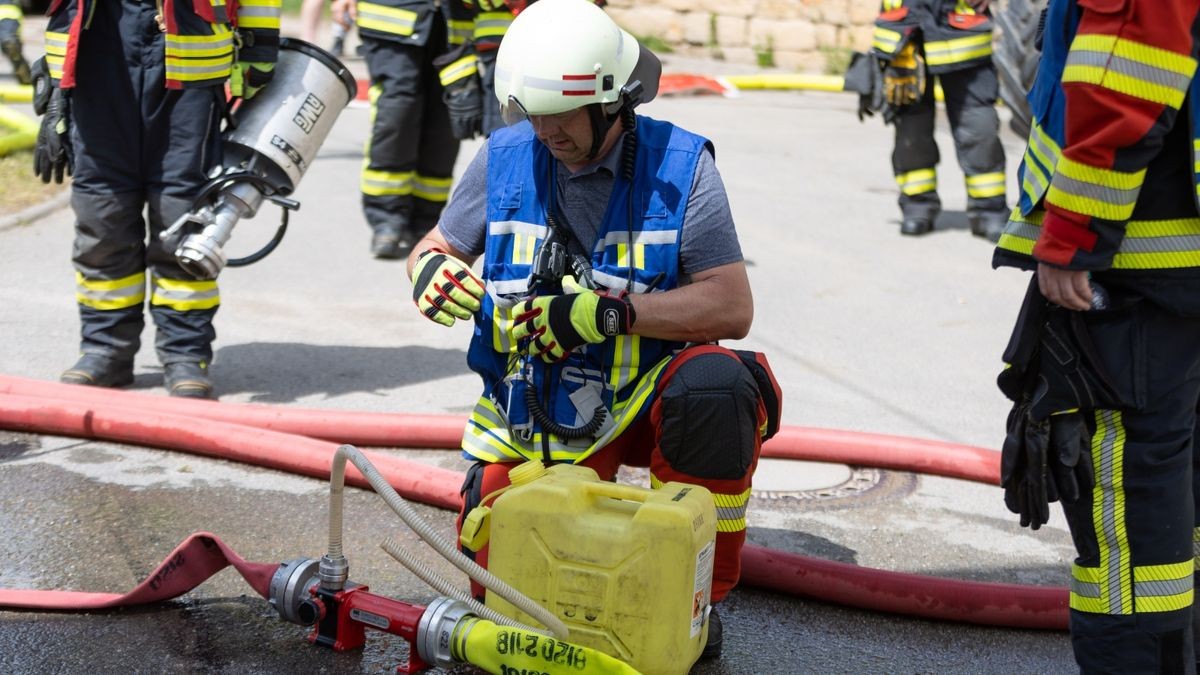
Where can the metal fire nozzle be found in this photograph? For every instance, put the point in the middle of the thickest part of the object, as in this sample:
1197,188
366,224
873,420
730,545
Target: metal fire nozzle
202,253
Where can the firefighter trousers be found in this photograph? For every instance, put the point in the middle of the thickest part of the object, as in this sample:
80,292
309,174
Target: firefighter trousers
703,429
141,155
970,98
405,181
1132,581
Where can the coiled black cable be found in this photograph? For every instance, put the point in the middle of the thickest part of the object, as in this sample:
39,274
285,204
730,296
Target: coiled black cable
586,430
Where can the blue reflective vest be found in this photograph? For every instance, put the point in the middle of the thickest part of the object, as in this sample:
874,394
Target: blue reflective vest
642,256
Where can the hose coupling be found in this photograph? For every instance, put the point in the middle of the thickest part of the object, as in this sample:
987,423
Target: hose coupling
333,571
436,627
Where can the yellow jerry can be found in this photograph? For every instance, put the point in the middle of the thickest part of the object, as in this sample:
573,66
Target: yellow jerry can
628,569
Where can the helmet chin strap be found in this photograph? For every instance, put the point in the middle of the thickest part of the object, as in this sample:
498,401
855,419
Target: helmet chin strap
601,124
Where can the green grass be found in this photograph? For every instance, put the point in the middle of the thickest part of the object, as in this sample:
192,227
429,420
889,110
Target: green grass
291,6
22,189
654,44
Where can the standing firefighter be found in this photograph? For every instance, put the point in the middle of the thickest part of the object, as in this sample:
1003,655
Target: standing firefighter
611,265
132,95
1105,414
916,40
410,155
10,39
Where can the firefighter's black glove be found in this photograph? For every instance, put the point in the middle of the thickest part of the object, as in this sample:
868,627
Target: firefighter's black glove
462,90
864,77
52,153
904,77
1043,461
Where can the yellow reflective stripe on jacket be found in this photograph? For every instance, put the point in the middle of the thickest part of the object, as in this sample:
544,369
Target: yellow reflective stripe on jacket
385,183
961,49
386,19
487,436
459,31
1092,191
889,5
985,185
492,24
11,13
109,294
1148,244
431,189
502,326
262,14
464,67
191,58
917,182
56,52
185,295
1129,67
1196,161
1041,157
886,41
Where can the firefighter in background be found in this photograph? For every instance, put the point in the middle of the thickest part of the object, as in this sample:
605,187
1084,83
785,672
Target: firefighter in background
607,376
131,94
1105,414
410,155
916,40
10,39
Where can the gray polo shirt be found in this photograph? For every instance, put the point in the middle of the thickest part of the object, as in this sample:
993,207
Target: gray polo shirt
708,239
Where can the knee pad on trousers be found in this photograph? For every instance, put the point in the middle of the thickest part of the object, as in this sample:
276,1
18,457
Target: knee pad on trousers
710,420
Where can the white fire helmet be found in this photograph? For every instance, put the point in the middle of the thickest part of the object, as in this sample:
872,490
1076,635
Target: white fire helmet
559,55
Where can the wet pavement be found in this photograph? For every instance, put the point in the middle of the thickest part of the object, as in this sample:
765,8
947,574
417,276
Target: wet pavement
867,330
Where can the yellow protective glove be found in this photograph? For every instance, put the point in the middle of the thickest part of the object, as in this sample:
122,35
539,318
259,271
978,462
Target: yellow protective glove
558,324
904,77
249,77
444,288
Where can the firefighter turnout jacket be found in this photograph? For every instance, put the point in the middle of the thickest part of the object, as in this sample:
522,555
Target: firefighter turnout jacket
204,38
953,35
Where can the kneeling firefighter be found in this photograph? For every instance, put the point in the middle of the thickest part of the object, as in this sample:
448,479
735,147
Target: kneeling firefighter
611,266
132,94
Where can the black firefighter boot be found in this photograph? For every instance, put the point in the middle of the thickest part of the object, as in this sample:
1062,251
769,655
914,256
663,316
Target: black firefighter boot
988,224
12,49
97,370
188,379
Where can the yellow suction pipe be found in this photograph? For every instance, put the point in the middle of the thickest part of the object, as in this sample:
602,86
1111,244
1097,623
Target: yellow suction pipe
21,131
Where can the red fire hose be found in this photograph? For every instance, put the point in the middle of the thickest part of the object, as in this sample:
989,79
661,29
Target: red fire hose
285,439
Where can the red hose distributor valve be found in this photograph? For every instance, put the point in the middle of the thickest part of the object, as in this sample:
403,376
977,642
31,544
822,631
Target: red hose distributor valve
340,616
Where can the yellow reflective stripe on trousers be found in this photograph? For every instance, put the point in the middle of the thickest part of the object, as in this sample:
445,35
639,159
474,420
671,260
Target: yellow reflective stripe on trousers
386,19
385,183
109,294
459,31
1108,588
431,189
731,509
1131,68
961,49
261,14
985,185
917,182
185,295
492,24
1148,244
885,40
1096,192
487,437
11,13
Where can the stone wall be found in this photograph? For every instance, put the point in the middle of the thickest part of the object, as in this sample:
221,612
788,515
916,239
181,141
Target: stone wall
811,36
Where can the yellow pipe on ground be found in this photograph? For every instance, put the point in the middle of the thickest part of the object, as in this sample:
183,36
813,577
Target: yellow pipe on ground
23,131
504,649
16,93
799,81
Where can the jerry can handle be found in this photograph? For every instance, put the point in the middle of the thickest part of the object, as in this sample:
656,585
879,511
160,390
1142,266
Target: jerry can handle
615,491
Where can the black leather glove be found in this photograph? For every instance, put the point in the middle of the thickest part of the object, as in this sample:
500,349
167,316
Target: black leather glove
1044,461
462,90
52,153
864,77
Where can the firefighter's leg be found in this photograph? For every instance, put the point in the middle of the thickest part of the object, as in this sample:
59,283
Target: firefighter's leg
1132,583
971,107
10,39
914,163
397,111
438,152
107,197
181,144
